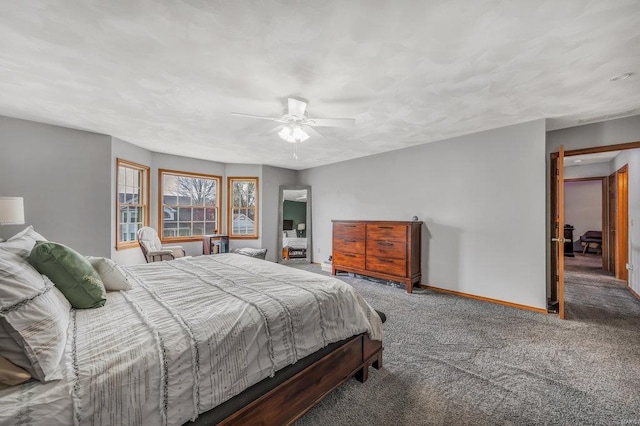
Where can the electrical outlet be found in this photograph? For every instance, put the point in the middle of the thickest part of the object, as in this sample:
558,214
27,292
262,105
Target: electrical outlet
629,267
318,250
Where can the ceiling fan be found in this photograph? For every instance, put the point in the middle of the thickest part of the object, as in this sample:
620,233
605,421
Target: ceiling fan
297,126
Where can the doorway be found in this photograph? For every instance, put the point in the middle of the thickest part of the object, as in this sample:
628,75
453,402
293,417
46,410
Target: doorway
612,252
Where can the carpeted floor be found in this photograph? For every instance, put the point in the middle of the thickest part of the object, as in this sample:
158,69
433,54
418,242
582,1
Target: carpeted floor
594,295
450,360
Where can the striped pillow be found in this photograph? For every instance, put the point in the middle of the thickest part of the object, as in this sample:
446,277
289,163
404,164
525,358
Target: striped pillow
33,332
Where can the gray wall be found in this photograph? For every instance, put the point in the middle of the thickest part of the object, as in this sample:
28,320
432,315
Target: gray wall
129,152
632,159
481,196
583,206
272,178
598,134
65,178
623,130
68,180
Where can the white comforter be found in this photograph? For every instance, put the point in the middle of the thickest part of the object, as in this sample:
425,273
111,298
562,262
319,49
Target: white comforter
190,335
299,243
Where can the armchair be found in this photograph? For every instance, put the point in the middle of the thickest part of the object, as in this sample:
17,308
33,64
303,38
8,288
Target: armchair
152,248
591,239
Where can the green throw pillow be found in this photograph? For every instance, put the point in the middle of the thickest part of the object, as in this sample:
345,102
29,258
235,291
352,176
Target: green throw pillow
71,273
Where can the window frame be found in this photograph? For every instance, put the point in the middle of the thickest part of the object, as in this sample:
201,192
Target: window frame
144,190
256,234
161,173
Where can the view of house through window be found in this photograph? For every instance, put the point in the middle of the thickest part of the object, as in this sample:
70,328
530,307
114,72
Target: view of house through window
190,205
133,202
243,207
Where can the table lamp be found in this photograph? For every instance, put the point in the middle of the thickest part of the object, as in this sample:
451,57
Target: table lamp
11,211
301,228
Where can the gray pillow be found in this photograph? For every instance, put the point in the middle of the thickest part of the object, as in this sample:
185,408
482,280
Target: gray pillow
251,252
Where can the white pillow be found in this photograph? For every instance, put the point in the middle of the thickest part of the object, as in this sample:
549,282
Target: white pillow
38,326
22,243
18,279
291,233
110,273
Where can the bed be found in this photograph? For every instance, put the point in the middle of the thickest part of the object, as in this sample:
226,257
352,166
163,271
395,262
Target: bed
223,339
294,248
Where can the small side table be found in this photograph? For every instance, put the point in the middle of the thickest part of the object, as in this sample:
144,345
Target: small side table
214,244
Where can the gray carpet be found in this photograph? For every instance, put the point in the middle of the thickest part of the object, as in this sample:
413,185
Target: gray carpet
450,360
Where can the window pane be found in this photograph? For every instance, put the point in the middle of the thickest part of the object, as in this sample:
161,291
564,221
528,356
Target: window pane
211,228
184,199
242,208
133,208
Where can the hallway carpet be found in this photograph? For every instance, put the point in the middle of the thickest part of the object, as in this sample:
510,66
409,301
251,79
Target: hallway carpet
594,295
450,360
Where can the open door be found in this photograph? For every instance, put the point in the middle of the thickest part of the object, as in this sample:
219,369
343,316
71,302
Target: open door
557,231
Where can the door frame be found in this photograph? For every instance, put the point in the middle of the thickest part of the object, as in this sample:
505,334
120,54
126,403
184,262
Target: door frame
622,219
557,291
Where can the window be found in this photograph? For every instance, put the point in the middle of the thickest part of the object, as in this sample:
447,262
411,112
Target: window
243,207
132,201
189,205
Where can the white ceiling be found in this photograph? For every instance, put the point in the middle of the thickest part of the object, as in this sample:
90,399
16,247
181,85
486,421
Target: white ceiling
165,75
295,194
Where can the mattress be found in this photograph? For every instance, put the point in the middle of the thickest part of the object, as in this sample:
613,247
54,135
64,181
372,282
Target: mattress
192,334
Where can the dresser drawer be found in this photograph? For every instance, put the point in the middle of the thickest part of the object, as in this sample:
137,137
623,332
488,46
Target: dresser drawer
349,230
349,245
393,249
387,232
351,260
387,266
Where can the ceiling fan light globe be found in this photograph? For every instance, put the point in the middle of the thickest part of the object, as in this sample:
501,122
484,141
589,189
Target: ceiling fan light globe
285,133
299,134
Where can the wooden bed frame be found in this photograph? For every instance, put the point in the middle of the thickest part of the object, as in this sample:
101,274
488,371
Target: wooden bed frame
287,402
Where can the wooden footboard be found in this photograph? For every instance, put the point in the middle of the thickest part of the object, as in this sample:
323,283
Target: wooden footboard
287,402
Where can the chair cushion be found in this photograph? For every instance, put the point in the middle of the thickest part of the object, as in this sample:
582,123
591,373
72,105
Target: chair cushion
592,237
149,239
71,272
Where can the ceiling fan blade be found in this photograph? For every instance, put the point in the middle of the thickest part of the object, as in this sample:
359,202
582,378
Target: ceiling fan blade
297,107
312,132
239,114
332,122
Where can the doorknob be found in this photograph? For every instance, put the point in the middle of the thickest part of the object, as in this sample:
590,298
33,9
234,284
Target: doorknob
559,240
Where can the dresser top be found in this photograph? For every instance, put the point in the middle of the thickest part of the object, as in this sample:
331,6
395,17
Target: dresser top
388,222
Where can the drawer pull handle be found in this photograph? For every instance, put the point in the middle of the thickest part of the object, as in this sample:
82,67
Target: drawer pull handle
385,244
387,260
349,255
386,227
349,226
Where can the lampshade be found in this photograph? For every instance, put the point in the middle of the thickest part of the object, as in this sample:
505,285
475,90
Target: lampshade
301,226
11,211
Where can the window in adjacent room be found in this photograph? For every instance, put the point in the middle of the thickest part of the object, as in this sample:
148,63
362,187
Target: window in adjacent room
189,205
243,207
132,200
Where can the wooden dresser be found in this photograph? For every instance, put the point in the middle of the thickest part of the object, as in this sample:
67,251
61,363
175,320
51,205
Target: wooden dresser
381,249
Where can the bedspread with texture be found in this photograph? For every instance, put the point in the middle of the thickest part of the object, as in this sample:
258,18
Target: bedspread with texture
192,333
